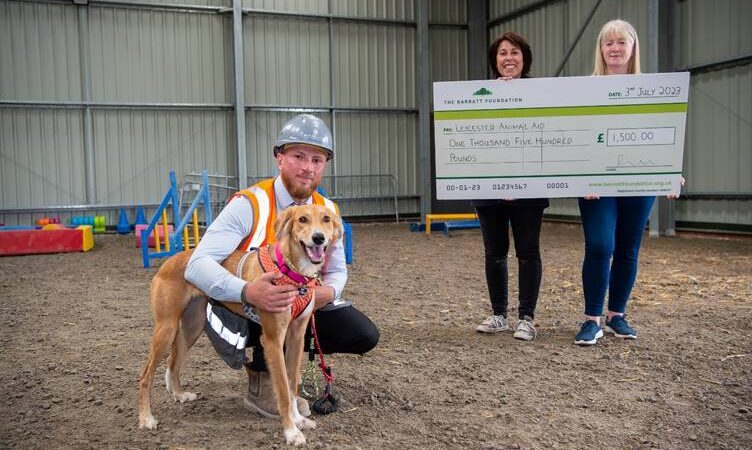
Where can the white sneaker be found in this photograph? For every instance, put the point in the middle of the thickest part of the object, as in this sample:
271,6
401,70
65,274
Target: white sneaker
493,324
525,329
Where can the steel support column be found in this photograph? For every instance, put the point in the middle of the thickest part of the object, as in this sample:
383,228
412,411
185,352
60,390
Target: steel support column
83,51
423,90
332,96
237,40
651,66
666,17
477,39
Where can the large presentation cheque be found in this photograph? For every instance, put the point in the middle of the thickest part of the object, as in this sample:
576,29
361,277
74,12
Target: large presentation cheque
618,135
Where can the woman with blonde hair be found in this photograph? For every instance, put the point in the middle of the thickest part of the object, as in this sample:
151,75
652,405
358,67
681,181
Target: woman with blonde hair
613,226
615,38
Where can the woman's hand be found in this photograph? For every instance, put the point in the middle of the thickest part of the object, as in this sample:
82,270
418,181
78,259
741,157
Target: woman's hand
592,196
674,197
505,78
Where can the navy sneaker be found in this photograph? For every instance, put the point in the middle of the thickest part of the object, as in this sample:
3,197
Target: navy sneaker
589,333
620,327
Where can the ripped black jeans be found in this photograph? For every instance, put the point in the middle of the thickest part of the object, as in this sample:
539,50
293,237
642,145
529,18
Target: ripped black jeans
526,225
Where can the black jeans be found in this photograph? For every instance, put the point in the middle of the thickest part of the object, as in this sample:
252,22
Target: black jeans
342,330
526,226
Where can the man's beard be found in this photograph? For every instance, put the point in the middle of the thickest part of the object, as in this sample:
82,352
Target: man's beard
297,192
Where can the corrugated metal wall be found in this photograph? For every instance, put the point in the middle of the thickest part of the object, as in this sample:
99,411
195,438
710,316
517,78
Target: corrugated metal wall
150,73
281,67
162,90
718,156
42,157
358,75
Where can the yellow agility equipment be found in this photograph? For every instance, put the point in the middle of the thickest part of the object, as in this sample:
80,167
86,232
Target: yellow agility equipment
457,216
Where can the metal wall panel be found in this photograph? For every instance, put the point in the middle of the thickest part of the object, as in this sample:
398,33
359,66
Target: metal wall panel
159,56
286,61
381,9
39,58
135,150
222,3
725,212
718,154
372,143
712,31
365,144
497,8
551,30
448,54
296,6
718,157
374,65
41,158
447,11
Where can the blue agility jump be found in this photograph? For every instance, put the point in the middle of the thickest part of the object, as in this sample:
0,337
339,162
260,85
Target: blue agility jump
175,243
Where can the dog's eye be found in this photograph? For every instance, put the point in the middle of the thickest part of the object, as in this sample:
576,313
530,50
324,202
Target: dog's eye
303,219
327,219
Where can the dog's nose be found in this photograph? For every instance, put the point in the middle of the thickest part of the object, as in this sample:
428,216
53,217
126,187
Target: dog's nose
318,238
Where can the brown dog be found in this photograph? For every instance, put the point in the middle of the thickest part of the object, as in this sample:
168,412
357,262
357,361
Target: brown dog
179,311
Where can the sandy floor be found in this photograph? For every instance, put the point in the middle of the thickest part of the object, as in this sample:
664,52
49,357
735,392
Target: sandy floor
77,326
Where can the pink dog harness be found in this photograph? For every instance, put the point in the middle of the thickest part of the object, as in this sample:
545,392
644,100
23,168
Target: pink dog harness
304,284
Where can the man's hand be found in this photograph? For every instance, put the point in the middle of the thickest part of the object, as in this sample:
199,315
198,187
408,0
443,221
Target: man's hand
265,295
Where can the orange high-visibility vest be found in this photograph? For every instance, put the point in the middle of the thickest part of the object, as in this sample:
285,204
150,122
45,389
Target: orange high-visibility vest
263,200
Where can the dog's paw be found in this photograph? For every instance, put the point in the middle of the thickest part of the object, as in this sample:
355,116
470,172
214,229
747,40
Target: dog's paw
294,436
305,424
147,423
185,397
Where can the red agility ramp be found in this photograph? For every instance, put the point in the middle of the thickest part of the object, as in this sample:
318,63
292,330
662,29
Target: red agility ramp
29,242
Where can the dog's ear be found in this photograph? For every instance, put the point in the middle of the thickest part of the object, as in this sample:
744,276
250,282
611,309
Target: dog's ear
337,227
283,224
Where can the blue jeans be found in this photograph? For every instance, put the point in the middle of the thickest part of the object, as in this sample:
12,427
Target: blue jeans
613,227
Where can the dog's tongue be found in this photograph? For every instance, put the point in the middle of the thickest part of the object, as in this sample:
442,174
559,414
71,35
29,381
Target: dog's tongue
315,253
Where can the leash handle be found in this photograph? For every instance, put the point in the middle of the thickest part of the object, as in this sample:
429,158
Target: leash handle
327,404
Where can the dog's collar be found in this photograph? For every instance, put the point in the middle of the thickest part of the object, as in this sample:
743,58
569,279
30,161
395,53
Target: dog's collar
285,269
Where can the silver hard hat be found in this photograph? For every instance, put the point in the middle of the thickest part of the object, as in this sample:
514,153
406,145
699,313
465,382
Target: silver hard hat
306,129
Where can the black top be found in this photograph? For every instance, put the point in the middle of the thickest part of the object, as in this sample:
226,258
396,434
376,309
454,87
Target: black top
523,202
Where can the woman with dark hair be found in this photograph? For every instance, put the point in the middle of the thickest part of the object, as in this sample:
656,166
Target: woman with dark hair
509,57
513,44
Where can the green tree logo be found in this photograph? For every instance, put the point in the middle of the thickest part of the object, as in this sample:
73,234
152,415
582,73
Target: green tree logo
482,91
